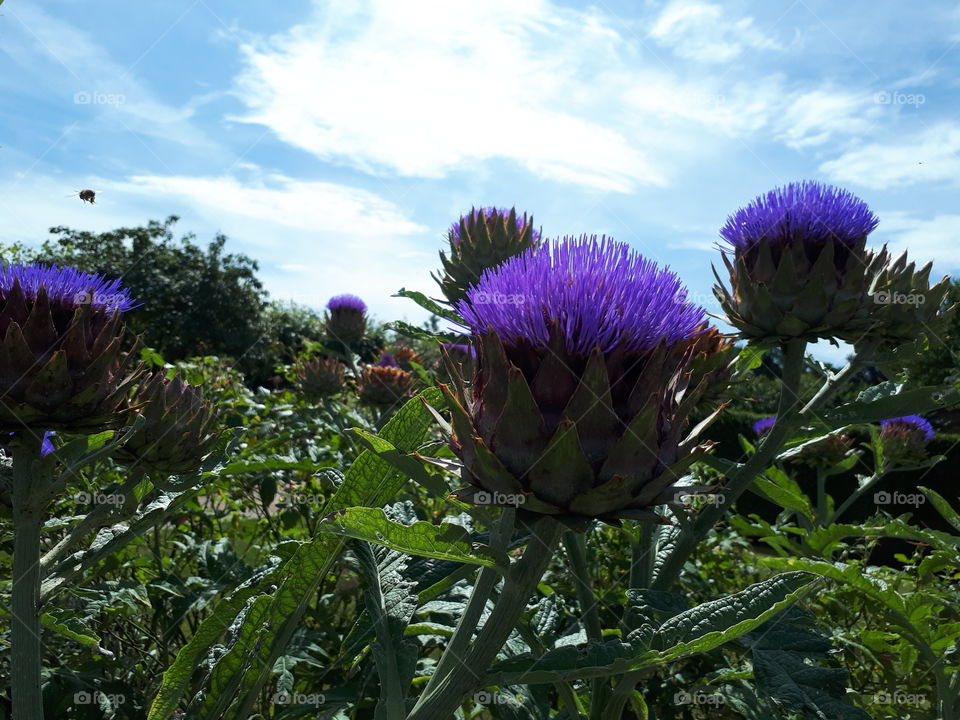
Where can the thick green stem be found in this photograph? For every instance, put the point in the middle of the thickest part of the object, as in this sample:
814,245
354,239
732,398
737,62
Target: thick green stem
576,546
788,417
867,486
822,508
25,646
482,588
519,584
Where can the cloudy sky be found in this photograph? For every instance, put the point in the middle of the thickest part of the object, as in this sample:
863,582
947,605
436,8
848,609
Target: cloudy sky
334,141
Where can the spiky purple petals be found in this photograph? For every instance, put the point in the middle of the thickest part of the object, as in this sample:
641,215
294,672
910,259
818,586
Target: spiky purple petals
596,292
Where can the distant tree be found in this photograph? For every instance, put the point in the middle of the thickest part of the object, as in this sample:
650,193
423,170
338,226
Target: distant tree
195,301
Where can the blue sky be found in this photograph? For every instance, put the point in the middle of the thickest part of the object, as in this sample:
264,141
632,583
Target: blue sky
336,141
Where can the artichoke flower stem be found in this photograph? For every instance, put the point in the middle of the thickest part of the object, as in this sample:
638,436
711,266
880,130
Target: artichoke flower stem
788,418
101,516
483,587
520,582
642,556
29,486
856,495
822,508
576,546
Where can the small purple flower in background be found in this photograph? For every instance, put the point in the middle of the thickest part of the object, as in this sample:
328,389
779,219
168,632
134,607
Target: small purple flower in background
458,350
913,424
904,439
387,360
810,212
575,407
762,427
346,320
798,264
346,302
47,447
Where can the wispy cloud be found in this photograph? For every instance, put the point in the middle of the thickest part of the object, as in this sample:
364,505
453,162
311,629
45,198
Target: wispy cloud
704,32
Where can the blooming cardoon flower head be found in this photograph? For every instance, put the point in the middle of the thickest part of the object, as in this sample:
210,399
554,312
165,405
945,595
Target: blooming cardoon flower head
762,427
346,321
384,385
799,267
904,439
387,360
481,239
63,363
320,378
583,381
178,431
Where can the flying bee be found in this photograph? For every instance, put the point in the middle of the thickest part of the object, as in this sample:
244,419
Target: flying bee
87,196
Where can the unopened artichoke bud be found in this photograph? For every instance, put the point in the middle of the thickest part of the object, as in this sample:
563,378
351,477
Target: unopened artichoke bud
384,385
799,267
580,403
320,378
904,440
482,239
405,357
826,454
346,321
904,306
64,362
178,431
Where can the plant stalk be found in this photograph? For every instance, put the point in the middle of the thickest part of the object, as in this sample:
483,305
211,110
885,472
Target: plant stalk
519,584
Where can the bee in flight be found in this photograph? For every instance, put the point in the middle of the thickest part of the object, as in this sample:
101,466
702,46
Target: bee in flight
87,196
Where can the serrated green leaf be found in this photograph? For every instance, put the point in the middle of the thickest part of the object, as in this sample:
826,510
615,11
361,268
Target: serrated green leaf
445,541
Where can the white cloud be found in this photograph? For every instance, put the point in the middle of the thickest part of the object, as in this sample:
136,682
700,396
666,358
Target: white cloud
701,31
929,156
430,89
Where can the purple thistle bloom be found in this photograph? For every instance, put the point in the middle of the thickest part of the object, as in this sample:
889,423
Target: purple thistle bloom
487,212
595,292
346,302
387,360
809,211
67,287
762,427
913,424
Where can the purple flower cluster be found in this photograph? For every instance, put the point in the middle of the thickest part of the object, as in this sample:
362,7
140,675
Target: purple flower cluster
909,423
346,302
474,215
387,360
762,427
67,286
594,292
807,211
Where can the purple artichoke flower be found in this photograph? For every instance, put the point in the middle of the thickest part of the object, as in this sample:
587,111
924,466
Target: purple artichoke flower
904,439
47,446
583,383
800,268
64,364
387,360
762,427
482,239
346,321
